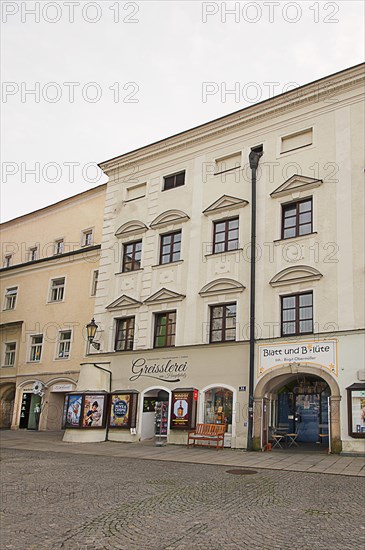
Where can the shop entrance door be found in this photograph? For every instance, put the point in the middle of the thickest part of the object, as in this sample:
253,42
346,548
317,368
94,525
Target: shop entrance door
307,415
30,411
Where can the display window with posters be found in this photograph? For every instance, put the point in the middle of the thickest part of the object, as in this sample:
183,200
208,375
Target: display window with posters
94,407
218,405
356,410
123,410
72,411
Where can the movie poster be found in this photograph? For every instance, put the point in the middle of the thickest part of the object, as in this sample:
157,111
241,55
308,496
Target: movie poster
180,409
73,411
93,415
120,411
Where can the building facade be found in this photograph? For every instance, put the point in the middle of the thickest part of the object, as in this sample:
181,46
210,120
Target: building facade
173,301
48,284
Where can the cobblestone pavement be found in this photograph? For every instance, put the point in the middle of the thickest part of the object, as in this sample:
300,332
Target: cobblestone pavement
62,500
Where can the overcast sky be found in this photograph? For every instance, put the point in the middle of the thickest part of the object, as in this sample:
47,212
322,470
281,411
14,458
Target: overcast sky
108,77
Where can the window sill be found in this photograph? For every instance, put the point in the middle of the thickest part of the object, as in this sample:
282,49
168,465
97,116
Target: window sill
226,252
128,272
55,302
7,366
167,265
61,359
222,342
297,237
296,334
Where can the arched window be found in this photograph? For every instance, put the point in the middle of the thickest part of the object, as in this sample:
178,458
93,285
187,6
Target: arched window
218,405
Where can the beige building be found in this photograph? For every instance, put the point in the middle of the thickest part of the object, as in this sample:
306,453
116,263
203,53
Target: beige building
48,282
173,302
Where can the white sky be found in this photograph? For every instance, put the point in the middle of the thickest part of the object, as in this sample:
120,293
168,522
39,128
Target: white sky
167,54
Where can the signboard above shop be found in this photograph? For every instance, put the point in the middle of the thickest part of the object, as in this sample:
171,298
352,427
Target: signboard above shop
319,353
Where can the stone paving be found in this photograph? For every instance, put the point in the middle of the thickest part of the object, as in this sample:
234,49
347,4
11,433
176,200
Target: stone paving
62,500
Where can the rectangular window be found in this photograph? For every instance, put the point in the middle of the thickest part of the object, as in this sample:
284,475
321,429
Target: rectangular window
297,219
57,290
36,343
225,235
10,297
297,140
223,323
170,247
64,344
175,180
87,237
8,260
297,314
228,163
132,254
124,334
165,329
33,254
94,282
59,246
10,349
136,192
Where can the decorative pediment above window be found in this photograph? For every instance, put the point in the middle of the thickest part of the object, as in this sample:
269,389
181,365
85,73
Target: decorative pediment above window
296,274
133,227
295,183
169,217
123,302
164,295
226,202
221,286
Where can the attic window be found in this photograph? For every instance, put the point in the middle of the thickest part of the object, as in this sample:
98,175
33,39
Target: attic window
297,140
136,192
228,163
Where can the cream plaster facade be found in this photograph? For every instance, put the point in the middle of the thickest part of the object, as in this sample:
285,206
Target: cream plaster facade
35,263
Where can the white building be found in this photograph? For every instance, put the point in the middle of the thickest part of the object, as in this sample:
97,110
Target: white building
173,301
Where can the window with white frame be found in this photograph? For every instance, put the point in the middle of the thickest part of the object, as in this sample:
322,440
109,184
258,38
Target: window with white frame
64,344
87,237
59,246
57,290
10,297
8,260
33,253
94,282
36,344
9,359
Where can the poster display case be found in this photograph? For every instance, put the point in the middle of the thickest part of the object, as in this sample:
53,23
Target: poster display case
184,409
356,410
123,410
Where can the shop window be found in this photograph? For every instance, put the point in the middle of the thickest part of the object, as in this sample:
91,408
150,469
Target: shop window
296,219
165,329
170,247
223,323
356,410
10,349
10,297
175,180
57,290
218,407
225,235
297,314
36,344
64,344
132,254
124,334
94,282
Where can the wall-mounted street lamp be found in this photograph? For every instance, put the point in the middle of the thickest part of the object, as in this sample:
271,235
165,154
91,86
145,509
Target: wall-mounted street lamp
91,331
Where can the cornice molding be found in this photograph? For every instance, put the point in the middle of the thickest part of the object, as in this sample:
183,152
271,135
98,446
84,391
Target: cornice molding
221,286
164,295
295,183
295,274
123,302
133,227
169,217
225,202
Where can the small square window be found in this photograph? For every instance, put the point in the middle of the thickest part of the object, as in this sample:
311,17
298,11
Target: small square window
87,237
57,290
8,260
165,329
10,297
175,180
10,349
33,254
59,246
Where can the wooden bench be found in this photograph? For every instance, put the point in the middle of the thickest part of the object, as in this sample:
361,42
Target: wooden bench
207,432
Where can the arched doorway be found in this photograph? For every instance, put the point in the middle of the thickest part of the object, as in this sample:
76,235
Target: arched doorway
155,414
298,399
7,396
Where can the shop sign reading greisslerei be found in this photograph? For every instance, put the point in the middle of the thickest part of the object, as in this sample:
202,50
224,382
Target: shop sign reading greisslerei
163,369
322,353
